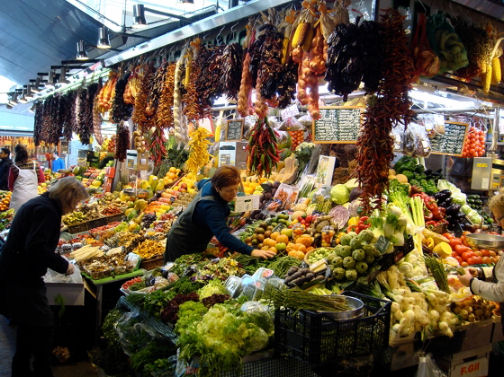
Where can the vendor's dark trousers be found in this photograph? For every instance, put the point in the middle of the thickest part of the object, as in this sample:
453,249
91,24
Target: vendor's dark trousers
33,342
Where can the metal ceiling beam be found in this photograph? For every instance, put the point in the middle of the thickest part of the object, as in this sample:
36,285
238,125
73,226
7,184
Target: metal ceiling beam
203,26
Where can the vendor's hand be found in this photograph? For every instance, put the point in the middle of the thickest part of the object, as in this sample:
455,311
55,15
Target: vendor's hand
466,278
265,254
70,269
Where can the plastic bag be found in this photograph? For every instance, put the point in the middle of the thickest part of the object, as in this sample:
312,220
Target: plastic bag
133,334
414,141
55,277
428,368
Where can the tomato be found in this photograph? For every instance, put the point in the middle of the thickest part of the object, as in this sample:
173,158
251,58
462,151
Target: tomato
471,260
448,235
492,253
464,264
462,249
478,260
485,253
460,260
455,241
467,255
486,260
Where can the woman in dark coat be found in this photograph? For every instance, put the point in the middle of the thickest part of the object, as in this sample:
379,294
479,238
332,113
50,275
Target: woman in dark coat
24,260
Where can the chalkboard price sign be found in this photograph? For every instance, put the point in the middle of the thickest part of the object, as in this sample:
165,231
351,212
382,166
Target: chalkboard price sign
452,141
234,130
337,124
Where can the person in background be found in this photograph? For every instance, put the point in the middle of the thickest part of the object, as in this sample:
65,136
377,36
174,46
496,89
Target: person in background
5,164
24,260
489,282
206,217
24,176
57,162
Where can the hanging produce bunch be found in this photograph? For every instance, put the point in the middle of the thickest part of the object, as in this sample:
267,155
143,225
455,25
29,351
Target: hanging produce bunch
309,48
474,144
107,93
245,93
144,84
391,107
354,54
198,150
121,110
84,124
190,103
263,152
122,144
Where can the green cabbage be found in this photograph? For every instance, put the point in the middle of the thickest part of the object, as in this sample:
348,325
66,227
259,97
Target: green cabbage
340,194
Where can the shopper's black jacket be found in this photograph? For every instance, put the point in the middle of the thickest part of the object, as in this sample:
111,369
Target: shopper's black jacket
32,240
5,164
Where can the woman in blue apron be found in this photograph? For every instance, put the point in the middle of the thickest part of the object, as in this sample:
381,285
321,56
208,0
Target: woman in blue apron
206,217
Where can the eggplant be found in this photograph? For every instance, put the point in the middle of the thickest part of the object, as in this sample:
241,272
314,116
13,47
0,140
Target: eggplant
442,195
445,203
453,209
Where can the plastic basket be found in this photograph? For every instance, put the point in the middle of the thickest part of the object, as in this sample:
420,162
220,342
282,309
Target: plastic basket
319,339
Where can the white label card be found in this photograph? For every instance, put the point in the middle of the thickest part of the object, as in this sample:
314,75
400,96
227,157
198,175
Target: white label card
247,203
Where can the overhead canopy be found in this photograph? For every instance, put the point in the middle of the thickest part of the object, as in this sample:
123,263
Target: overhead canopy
39,34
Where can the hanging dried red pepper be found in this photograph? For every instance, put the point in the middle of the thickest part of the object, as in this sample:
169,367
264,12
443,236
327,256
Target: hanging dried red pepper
390,108
263,153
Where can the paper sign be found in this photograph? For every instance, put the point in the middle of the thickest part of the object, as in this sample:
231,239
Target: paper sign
247,203
289,112
337,124
325,170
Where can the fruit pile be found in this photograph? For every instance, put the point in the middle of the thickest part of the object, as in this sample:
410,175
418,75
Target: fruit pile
474,145
467,255
474,308
5,198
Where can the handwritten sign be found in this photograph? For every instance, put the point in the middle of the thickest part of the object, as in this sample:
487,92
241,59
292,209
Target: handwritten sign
337,124
234,130
451,141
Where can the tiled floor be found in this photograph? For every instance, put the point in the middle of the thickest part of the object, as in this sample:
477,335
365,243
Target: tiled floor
7,346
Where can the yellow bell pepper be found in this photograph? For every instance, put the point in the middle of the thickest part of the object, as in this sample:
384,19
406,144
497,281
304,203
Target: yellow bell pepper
353,221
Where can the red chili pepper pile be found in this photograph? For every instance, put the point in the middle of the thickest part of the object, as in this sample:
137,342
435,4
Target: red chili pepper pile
390,108
263,149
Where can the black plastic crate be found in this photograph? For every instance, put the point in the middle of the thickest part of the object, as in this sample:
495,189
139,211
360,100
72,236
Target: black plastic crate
319,339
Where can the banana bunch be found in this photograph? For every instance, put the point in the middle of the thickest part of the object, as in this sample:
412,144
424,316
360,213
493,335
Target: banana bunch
491,72
73,218
198,150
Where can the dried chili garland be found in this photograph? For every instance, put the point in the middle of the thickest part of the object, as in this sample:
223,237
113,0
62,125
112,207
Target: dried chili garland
164,114
263,149
156,88
390,108
140,116
232,58
68,103
37,129
122,142
120,109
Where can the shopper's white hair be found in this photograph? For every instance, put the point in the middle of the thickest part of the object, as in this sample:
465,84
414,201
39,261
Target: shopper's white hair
68,191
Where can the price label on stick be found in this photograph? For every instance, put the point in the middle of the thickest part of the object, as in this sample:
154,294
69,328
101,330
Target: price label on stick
247,203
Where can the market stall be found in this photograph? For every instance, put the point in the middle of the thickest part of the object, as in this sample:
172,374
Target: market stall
371,193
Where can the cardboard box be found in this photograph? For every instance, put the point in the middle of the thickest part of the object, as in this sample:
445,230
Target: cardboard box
471,363
497,335
72,294
477,334
404,356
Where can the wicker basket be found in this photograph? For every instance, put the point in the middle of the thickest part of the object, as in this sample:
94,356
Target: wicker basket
152,263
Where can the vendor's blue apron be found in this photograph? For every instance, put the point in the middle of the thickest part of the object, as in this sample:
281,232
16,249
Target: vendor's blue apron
185,236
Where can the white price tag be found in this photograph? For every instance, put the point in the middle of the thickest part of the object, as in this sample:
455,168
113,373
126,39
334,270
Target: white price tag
247,203
289,112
